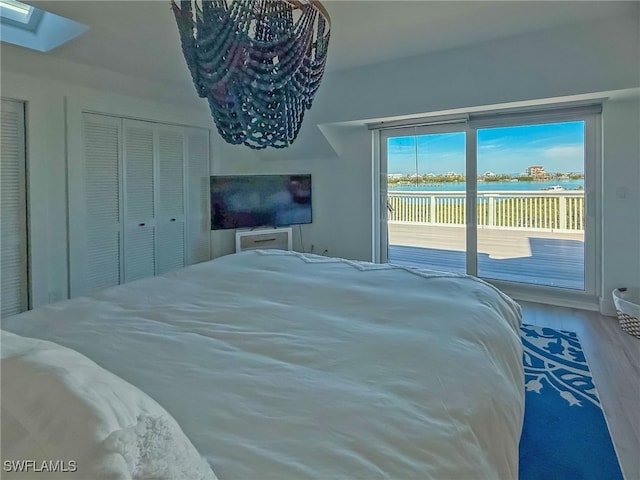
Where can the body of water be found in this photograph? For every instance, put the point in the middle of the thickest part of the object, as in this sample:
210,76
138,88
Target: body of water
484,186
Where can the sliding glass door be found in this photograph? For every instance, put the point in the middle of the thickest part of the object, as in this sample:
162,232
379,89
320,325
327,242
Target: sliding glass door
426,190
508,198
530,201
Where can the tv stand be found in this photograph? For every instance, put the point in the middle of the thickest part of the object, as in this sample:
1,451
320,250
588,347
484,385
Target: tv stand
264,238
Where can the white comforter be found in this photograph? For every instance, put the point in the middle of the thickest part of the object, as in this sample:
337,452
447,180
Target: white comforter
65,417
279,365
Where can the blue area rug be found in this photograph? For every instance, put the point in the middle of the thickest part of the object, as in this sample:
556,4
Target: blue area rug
565,435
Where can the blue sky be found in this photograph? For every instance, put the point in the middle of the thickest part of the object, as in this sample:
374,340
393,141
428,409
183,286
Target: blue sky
558,147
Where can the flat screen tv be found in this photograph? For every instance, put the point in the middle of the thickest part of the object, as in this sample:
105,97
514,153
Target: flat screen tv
247,201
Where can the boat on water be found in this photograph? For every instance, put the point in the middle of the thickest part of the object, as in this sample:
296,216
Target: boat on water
555,188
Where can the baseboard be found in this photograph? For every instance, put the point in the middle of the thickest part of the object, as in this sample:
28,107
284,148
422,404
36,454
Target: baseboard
557,302
607,307
550,296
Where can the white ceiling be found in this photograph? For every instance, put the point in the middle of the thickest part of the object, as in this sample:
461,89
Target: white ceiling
139,38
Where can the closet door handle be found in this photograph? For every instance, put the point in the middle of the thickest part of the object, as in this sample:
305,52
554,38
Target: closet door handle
141,224
173,219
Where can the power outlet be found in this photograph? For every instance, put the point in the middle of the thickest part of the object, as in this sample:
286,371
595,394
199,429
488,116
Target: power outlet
320,251
621,193
54,297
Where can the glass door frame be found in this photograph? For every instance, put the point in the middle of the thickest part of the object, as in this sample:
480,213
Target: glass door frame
381,212
590,115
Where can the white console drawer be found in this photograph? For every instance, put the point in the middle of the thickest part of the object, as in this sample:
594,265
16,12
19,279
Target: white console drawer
279,238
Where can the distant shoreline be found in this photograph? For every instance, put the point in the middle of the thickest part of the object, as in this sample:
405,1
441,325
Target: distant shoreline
574,184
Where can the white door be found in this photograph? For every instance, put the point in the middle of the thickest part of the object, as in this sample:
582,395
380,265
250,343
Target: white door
198,195
14,277
139,202
170,215
99,255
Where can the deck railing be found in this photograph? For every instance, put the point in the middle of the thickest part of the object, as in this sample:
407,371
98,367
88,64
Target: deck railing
531,210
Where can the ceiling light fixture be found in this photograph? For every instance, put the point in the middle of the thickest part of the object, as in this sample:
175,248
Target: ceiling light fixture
258,62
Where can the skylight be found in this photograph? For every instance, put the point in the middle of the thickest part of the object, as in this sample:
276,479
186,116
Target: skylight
31,27
18,14
20,8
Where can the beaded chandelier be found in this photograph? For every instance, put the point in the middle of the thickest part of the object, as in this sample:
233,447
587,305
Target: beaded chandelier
258,62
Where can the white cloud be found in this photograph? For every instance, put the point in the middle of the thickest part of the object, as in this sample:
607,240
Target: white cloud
564,151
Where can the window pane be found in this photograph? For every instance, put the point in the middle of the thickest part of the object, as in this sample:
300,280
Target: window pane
531,204
426,193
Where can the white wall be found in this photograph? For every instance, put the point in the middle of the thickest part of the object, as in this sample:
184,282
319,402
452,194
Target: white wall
593,57
621,197
51,108
46,187
341,216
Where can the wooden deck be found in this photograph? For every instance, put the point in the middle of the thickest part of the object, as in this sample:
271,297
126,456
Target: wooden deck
540,258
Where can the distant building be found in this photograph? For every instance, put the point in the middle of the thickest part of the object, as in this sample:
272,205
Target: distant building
395,175
452,174
536,171
489,174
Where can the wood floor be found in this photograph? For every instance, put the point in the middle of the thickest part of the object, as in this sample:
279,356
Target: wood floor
539,258
614,359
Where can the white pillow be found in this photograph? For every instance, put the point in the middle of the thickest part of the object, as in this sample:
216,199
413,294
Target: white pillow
59,406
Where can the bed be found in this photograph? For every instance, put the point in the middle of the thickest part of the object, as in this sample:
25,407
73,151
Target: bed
284,365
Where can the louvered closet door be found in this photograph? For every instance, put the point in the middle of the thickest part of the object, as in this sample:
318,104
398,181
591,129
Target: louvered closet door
199,206
140,231
170,218
102,224
14,276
